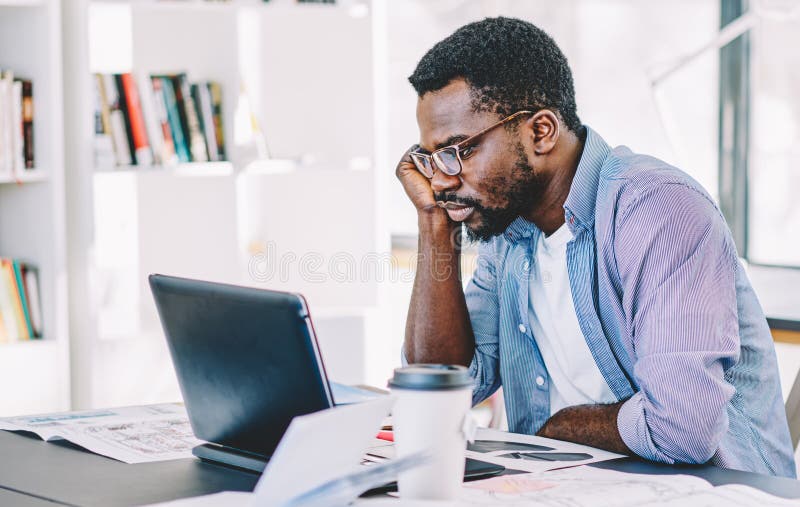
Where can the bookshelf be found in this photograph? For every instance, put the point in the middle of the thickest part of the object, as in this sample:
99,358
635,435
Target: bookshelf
32,176
207,220
36,373
22,3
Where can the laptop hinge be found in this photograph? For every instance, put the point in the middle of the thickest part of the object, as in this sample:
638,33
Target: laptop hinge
227,456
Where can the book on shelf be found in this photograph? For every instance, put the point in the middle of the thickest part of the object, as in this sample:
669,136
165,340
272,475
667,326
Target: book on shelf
134,119
16,124
27,122
155,115
114,124
163,121
164,86
205,116
20,304
197,143
216,108
103,143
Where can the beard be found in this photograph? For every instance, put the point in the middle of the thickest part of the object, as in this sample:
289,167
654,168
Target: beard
521,188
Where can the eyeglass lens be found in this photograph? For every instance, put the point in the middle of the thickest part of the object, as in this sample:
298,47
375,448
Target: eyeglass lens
447,161
423,164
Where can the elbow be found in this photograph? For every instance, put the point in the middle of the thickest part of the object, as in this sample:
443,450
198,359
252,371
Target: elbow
683,434
694,443
694,452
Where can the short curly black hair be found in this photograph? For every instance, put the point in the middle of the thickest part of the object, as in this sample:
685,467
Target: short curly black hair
510,64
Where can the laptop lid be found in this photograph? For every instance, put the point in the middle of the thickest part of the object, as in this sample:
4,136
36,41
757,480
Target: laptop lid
246,359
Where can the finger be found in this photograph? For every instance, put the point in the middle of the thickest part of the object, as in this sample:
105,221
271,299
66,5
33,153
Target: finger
407,155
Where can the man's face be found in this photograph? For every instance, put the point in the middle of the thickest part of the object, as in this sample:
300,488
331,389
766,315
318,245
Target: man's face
496,183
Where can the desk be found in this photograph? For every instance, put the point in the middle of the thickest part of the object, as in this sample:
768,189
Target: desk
67,475
9,498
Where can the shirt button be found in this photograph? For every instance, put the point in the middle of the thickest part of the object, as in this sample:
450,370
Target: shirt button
539,380
522,328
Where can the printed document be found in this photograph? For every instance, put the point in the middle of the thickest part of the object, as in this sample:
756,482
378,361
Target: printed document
530,453
129,434
525,453
575,487
587,486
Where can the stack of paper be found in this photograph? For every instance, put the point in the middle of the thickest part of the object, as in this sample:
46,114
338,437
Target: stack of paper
130,434
587,486
575,487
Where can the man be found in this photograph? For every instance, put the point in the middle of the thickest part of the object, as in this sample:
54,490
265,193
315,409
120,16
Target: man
608,300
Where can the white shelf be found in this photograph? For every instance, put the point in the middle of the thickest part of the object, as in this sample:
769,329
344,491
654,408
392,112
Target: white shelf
21,3
32,215
27,370
200,220
30,176
205,5
190,169
36,342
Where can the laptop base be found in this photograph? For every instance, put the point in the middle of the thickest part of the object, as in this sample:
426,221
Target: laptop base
473,470
227,456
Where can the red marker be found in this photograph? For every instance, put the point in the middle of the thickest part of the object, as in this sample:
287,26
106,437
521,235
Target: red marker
386,435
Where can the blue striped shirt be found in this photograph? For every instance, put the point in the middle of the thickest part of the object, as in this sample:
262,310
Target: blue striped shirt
666,310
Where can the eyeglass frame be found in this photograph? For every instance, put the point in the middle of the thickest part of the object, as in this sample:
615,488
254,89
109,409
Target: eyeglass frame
457,147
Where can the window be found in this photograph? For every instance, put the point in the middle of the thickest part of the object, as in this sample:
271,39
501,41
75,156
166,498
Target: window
773,220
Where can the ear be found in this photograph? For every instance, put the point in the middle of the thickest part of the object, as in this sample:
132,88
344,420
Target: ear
545,128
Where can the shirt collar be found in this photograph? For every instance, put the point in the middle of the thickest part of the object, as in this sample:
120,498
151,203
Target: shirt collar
580,204
519,229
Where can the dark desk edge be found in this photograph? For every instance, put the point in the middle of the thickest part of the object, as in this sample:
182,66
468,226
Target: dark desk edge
783,324
779,486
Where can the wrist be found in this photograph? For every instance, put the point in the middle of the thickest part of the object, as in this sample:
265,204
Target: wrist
437,231
434,218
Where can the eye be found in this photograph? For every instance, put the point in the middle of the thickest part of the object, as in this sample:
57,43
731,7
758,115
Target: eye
466,152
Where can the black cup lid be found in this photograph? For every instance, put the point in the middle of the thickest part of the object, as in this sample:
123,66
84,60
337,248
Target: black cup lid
431,377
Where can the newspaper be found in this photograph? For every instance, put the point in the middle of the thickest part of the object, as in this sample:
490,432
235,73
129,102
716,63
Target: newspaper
576,487
587,486
140,434
529,453
525,453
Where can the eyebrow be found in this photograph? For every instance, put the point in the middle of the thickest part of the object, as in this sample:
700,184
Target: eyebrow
454,139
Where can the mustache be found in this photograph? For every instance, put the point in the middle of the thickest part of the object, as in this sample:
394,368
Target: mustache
445,198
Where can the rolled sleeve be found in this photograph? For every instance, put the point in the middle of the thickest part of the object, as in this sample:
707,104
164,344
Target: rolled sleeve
676,263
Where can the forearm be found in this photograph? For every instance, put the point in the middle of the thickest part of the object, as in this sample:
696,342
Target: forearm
438,329
594,425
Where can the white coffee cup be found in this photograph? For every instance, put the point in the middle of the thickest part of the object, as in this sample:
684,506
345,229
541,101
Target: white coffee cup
428,417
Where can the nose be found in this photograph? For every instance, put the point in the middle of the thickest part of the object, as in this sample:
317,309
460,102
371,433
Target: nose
442,182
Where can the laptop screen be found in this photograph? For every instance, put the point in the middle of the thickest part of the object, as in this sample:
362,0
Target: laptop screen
246,359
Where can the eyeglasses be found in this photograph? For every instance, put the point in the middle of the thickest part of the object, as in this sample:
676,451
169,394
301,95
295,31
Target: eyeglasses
448,159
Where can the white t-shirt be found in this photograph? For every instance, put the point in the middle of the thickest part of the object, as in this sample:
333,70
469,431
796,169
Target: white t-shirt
575,378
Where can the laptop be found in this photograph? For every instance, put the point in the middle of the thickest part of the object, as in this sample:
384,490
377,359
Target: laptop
247,362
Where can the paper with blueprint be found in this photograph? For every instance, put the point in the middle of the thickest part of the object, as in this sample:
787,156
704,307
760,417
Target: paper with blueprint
318,461
141,434
587,486
575,487
530,453
514,451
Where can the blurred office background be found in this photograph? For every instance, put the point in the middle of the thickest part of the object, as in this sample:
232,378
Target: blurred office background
316,110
